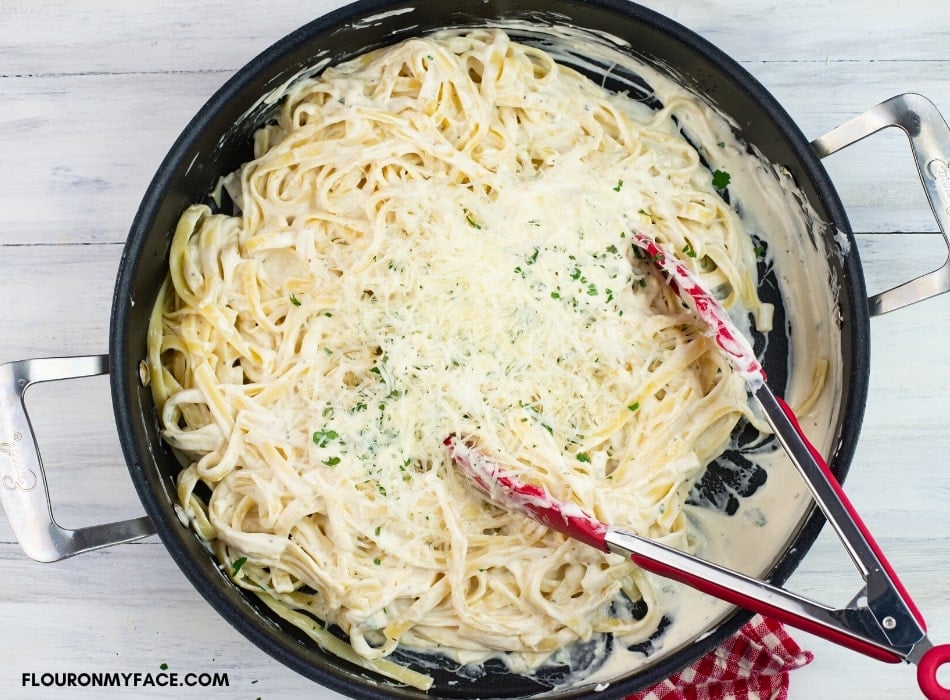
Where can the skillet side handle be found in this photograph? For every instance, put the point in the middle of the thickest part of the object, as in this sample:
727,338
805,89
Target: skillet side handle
929,139
23,488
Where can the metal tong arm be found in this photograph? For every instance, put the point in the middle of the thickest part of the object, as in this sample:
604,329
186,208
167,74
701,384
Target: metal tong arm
753,594
887,600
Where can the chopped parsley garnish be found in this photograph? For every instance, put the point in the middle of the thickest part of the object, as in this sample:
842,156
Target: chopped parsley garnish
323,437
618,185
533,258
634,406
721,179
688,249
471,221
377,561
236,566
759,250
163,666
555,295
294,300
332,462
583,457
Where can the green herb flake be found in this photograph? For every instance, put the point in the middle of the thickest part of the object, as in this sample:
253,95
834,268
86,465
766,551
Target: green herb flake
323,437
555,295
634,406
377,561
583,457
294,300
759,251
612,249
591,290
533,258
163,666
471,221
721,179
236,566
576,273
688,249
332,462
618,185
379,529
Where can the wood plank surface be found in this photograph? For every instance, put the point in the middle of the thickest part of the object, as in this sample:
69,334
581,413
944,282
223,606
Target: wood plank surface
92,95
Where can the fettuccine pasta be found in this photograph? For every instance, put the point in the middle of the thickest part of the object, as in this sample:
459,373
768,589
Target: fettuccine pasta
433,239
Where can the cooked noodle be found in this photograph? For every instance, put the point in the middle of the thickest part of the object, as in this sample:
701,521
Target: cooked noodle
433,239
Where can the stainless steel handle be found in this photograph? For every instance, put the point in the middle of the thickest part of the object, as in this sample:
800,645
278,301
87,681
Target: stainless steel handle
929,139
23,489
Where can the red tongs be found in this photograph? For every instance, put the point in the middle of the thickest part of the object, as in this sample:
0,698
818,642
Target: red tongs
881,621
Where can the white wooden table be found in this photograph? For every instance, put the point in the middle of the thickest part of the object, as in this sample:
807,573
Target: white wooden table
92,94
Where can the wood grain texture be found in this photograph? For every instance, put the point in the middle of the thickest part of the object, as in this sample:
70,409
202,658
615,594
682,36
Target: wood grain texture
93,93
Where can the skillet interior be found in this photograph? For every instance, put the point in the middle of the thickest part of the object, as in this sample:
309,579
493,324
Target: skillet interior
218,140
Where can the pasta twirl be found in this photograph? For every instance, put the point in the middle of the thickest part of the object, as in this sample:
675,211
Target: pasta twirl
433,239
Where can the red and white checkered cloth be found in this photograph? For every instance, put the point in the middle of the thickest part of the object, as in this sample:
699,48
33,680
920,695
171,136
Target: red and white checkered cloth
752,665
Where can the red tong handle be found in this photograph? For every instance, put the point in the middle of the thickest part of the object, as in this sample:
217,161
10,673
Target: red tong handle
927,669
853,513
929,664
